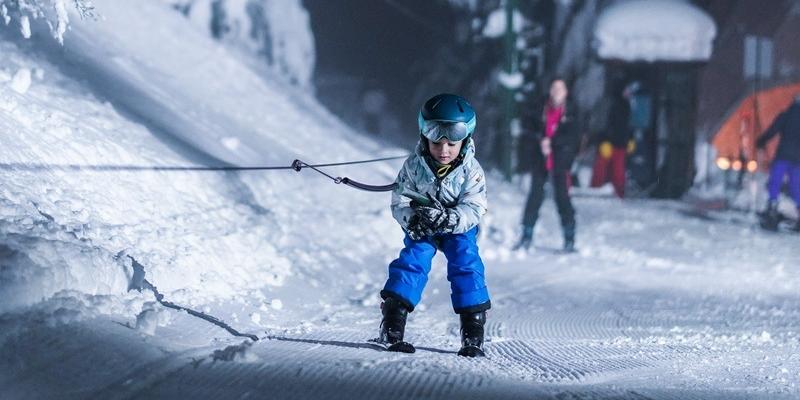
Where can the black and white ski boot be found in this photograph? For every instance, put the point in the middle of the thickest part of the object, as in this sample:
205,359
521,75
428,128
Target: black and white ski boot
770,218
472,334
393,326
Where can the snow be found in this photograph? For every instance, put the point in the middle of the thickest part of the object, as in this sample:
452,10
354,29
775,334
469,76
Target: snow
25,27
511,80
21,81
496,23
277,31
67,234
53,13
657,303
654,30
4,14
62,20
147,320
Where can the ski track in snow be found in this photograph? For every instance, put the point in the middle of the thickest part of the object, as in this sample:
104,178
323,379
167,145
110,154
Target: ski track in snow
547,338
655,305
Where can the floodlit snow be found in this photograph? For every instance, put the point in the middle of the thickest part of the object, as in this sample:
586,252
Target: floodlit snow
25,26
511,81
496,23
654,30
279,31
660,301
21,81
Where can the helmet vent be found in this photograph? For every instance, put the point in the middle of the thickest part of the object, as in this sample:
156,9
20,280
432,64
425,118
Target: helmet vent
460,107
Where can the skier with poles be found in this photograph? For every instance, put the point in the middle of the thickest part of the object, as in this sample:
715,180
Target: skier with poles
439,201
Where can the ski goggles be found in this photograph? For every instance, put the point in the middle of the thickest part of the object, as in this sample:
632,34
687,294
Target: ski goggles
437,130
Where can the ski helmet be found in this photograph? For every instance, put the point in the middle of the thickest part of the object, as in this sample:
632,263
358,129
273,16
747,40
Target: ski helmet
446,116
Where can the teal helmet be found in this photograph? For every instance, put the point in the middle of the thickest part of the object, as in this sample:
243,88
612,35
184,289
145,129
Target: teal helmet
446,116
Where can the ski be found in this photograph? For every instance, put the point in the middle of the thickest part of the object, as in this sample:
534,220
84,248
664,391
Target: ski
471,351
399,347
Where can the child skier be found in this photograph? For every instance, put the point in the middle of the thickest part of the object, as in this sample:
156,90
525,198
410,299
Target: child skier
439,201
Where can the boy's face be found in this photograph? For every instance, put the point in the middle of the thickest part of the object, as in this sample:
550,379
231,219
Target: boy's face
444,151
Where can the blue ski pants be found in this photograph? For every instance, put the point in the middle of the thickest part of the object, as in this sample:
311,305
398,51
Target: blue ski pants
408,274
779,170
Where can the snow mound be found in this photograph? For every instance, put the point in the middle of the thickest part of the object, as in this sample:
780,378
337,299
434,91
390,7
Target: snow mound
655,30
145,87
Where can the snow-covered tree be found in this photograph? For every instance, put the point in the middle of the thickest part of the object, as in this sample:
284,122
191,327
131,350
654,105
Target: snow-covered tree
53,12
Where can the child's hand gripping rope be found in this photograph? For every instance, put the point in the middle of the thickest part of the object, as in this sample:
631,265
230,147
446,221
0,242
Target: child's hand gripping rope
431,217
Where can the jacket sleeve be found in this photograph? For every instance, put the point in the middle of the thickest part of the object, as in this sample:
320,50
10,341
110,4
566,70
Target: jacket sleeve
531,120
568,131
401,205
777,126
472,203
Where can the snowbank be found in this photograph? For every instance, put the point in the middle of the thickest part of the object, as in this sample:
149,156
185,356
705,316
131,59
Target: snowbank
145,87
68,231
277,32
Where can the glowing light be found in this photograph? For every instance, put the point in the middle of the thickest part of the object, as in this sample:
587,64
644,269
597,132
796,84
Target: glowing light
752,166
737,165
723,163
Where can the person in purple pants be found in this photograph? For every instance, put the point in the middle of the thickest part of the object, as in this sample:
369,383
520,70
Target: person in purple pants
786,162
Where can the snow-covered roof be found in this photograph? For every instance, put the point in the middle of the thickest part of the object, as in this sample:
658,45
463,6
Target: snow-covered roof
654,30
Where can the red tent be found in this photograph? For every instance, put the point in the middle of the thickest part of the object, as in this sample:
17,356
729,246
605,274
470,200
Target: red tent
735,140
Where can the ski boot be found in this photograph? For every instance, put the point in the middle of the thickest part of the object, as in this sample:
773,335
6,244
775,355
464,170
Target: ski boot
472,334
393,326
526,240
796,226
569,238
771,217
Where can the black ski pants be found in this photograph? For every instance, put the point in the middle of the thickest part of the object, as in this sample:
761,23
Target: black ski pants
561,185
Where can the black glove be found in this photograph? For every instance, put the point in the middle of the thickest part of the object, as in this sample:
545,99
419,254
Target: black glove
435,216
432,214
417,230
449,222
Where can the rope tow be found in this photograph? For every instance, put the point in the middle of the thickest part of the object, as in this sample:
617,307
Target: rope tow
138,281
297,165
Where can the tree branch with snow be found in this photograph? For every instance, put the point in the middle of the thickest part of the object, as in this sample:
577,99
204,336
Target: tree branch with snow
53,12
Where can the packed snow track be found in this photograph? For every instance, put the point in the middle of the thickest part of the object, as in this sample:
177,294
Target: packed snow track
562,326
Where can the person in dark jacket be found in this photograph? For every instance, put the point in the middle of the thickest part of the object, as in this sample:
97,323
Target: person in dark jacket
786,162
615,143
555,130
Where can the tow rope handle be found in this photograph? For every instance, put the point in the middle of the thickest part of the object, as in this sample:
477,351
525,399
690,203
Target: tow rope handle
298,166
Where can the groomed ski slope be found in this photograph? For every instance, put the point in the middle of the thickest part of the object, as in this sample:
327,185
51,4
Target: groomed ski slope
656,304
613,321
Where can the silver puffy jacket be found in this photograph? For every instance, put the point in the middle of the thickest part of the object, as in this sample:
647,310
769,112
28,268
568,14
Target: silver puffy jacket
463,189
